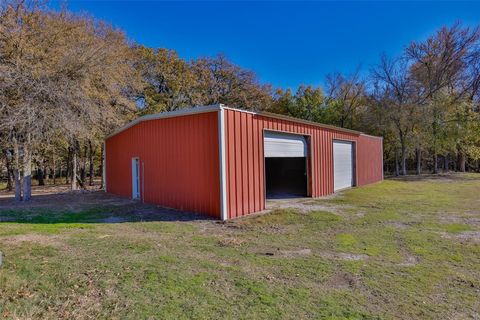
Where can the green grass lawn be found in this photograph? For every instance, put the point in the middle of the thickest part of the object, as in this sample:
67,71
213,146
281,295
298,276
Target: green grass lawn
398,249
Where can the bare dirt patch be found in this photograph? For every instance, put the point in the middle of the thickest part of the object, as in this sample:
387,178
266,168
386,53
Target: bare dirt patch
344,256
464,237
469,236
472,221
396,225
343,280
409,261
231,242
400,225
273,229
49,189
305,205
250,223
41,239
295,253
277,252
86,298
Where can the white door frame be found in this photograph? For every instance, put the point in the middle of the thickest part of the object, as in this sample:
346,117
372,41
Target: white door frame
308,140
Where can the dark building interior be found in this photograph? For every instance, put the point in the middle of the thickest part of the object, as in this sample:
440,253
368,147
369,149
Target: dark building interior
286,177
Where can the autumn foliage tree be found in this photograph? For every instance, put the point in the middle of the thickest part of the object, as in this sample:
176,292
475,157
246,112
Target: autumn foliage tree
172,83
62,75
67,80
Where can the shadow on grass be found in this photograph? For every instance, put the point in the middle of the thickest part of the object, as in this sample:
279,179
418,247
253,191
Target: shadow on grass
96,216
445,176
89,207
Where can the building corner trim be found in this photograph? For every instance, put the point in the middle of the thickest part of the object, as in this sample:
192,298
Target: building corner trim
104,165
383,164
222,164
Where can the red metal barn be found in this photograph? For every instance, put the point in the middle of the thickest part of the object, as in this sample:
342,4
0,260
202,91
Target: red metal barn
226,162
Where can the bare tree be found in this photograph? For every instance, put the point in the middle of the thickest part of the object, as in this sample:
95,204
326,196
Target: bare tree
439,69
221,81
398,99
347,95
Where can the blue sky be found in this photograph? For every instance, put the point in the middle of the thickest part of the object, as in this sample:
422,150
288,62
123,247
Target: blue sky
285,43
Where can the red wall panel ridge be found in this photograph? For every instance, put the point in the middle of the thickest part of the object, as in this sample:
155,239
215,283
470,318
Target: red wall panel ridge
180,160
245,163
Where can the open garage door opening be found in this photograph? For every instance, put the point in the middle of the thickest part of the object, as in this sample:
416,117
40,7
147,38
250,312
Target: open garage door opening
286,170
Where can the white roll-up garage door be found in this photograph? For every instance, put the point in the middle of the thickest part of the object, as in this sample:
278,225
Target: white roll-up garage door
282,145
343,165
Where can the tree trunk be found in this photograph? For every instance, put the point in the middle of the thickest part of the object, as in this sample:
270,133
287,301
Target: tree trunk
83,169
397,168
74,167
418,156
68,165
434,145
16,171
83,175
40,175
27,169
461,161
102,169
18,186
46,173
446,163
404,161
8,164
90,162
54,176
67,171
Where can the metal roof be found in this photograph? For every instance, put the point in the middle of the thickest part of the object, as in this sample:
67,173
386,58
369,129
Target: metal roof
217,107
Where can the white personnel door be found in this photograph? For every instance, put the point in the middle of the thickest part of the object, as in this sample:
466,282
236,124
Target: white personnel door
343,165
135,178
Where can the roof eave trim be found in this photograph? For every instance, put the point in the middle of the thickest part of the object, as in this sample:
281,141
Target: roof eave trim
298,120
370,136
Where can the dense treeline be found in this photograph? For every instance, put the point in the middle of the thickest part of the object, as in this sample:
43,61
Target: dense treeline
67,80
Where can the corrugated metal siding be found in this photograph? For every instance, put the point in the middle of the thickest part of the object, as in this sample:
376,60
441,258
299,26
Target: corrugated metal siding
180,158
245,165
370,157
